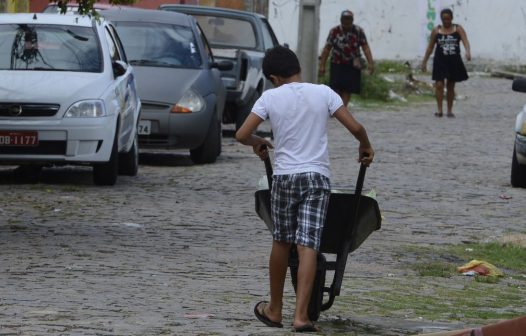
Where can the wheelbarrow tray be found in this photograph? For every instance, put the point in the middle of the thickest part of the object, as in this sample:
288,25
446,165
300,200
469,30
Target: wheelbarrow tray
339,220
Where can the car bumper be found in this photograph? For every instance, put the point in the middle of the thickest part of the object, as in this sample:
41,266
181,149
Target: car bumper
69,140
174,130
520,148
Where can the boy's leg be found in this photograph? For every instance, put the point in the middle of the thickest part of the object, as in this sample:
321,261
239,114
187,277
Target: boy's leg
306,274
311,218
278,263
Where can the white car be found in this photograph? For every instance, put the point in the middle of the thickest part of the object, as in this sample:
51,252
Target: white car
518,163
67,95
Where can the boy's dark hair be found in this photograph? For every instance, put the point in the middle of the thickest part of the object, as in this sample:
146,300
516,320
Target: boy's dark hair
280,61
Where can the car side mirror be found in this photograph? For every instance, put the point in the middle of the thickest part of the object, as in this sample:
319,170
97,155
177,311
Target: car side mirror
286,45
119,68
519,84
223,65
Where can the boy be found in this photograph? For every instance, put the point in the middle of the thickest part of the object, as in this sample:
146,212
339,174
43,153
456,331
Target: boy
298,114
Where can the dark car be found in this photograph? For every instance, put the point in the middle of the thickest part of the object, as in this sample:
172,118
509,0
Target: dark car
179,82
241,37
518,163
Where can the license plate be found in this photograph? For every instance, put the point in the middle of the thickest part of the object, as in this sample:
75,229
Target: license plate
145,127
16,138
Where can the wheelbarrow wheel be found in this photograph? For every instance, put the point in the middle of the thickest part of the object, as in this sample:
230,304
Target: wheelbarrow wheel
316,298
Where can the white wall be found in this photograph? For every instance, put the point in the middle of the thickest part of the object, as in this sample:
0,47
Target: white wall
398,29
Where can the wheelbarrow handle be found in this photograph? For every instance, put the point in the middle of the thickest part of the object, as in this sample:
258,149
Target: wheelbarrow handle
359,181
268,169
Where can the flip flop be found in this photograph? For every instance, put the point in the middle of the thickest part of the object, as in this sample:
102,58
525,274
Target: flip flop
307,328
263,318
439,115
450,115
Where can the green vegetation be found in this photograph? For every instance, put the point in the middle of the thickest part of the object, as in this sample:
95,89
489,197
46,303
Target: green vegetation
392,85
432,289
504,256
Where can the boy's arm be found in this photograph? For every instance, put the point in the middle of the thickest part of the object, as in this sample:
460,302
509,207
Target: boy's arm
245,135
365,151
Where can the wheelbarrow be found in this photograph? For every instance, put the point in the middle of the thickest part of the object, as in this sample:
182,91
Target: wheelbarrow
351,218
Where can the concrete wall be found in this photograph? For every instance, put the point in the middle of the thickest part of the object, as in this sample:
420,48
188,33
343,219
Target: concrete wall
399,29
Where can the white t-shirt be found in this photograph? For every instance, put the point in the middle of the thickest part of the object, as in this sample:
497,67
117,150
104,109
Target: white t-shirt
298,114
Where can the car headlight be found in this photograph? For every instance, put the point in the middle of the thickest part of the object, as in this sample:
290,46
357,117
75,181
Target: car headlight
86,109
189,102
520,122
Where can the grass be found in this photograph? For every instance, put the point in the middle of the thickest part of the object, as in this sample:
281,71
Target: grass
433,289
387,87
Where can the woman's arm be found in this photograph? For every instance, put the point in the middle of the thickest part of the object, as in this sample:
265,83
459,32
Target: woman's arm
323,58
369,57
429,50
465,41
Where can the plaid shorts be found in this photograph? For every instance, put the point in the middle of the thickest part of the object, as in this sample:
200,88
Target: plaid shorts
299,207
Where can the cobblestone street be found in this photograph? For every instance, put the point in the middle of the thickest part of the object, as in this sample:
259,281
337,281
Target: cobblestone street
179,249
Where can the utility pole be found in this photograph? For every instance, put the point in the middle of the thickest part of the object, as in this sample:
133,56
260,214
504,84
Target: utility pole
308,31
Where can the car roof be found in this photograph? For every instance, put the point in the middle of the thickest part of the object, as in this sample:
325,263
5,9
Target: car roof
146,15
208,9
45,18
95,5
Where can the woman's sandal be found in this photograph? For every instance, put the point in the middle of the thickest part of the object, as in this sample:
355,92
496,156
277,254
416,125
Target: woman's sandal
439,115
450,115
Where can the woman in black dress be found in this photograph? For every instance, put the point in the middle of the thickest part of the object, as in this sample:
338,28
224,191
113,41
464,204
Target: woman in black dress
447,62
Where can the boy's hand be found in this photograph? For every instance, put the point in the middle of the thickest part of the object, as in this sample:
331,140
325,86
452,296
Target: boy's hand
366,155
261,149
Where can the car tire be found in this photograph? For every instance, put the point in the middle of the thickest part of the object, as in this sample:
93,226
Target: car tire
209,150
245,109
28,173
106,173
518,172
129,161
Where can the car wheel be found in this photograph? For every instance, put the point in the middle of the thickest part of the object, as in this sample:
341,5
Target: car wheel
208,151
28,173
245,109
518,172
106,173
129,161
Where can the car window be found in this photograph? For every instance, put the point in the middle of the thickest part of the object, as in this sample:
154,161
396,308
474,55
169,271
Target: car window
157,44
49,47
269,39
227,32
115,53
117,43
208,50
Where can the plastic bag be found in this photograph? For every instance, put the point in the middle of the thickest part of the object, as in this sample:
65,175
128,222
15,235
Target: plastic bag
479,267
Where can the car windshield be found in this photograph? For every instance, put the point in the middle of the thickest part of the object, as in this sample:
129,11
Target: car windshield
226,32
159,45
49,48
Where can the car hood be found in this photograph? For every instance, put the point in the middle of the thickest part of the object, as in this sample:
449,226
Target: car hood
49,87
164,85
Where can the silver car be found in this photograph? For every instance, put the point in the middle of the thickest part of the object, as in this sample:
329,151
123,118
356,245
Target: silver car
67,95
179,82
518,163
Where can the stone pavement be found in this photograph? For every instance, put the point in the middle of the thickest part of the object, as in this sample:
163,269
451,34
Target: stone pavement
179,249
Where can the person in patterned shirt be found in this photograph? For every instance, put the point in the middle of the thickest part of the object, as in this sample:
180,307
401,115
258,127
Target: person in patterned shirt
345,41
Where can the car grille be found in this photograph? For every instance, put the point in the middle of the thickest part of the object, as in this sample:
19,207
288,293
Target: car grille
28,110
43,148
154,106
153,140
